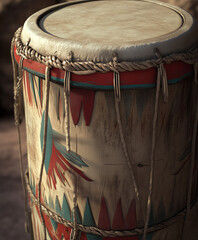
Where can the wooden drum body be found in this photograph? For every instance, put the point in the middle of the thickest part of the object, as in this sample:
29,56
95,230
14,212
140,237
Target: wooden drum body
112,133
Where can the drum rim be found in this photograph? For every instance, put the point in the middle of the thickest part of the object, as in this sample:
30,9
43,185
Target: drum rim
92,79
32,30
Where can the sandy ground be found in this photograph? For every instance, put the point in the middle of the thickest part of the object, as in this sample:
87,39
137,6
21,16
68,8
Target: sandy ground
11,194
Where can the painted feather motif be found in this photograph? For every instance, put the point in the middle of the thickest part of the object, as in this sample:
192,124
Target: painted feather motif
57,159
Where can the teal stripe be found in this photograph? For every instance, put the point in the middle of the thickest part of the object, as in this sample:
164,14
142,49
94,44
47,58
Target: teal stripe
32,84
54,224
34,72
78,216
88,219
176,80
110,87
39,82
51,203
57,206
65,211
49,141
70,156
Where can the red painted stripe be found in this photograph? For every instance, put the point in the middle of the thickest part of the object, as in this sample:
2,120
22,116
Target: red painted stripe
28,88
174,70
79,172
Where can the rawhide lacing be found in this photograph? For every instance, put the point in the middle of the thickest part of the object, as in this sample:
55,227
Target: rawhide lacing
117,95
81,68
74,232
160,79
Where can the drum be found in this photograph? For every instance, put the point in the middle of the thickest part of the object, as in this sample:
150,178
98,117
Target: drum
110,99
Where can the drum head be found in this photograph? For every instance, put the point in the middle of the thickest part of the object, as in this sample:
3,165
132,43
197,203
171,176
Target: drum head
94,30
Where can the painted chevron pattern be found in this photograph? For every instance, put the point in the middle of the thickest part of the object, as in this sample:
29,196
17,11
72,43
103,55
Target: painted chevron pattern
56,230
118,220
79,99
87,218
57,159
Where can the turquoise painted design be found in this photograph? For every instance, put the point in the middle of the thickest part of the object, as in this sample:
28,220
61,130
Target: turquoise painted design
32,85
88,85
88,220
54,224
38,86
34,72
70,156
57,206
51,203
78,215
49,141
40,90
65,211
97,87
57,154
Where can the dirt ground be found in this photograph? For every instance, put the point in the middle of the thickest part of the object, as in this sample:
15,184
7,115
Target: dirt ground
11,194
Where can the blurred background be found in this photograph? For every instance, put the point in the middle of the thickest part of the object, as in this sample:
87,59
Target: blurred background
13,13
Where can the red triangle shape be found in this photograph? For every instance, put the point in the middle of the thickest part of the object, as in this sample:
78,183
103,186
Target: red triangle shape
75,104
118,220
88,104
130,221
103,221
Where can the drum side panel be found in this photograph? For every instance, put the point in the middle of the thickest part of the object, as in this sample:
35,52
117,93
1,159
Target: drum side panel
104,182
